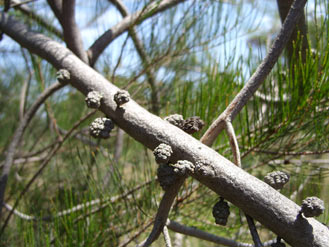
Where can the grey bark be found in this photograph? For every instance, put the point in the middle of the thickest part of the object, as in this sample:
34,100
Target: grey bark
253,196
72,35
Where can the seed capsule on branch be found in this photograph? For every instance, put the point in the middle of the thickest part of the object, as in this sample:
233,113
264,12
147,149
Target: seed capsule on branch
162,153
312,207
175,119
221,211
63,75
93,99
101,128
192,125
277,179
121,97
183,167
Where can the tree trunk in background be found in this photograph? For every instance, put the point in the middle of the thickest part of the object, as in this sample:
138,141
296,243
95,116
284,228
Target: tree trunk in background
299,31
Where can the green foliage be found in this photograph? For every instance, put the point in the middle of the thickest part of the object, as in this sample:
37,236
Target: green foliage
199,71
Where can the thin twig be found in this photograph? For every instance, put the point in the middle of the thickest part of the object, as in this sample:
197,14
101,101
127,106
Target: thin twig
107,202
104,40
18,135
104,203
143,229
166,236
163,211
49,110
72,35
253,231
43,165
234,143
24,91
39,19
317,152
195,232
18,213
236,154
57,8
146,61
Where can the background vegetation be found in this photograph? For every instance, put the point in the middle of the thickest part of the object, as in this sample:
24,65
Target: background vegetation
195,58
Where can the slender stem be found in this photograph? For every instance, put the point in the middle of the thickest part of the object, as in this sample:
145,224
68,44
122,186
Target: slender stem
195,232
143,229
104,202
166,236
253,231
104,40
18,135
163,211
41,168
234,143
237,160
72,35
146,61
37,18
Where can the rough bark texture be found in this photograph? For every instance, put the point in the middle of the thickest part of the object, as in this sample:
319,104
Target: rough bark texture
253,196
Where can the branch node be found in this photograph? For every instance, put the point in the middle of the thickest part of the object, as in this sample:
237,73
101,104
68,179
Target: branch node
277,179
101,128
175,119
63,75
312,206
183,167
93,99
121,97
193,124
162,153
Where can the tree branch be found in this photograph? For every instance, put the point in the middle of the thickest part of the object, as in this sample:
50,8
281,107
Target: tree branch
103,41
259,76
163,212
250,194
195,232
72,35
56,6
166,236
84,206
